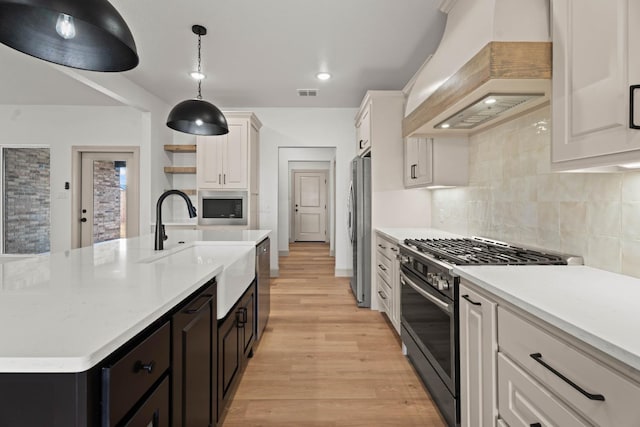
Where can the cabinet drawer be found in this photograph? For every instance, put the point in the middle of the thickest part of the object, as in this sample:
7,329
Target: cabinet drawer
155,410
384,295
384,267
524,402
386,248
533,348
129,378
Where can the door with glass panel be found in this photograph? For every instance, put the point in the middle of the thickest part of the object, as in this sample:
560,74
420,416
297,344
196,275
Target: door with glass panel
108,202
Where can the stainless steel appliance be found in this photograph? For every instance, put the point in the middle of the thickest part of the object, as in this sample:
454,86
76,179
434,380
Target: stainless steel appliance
263,291
359,224
222,208
429,305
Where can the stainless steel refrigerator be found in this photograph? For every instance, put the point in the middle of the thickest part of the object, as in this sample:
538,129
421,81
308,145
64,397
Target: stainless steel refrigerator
359,222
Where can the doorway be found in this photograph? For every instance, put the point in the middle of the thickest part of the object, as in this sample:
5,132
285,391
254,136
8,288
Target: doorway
310,205
106,194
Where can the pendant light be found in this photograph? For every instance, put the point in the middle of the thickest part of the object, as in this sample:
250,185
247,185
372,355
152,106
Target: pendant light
197,116
84,34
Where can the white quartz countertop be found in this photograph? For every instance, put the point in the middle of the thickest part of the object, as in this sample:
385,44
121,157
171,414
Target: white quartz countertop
596,306
399,234
65,312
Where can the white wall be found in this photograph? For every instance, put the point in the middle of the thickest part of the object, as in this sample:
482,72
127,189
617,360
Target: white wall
301,159
60,128
305,127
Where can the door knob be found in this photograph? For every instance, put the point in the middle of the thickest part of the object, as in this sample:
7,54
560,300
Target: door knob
83,219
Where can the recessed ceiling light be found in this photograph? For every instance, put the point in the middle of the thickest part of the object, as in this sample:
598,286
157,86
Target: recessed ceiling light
445,126
490,101
323,76
195,75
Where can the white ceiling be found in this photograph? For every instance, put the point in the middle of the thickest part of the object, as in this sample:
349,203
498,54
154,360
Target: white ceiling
256,53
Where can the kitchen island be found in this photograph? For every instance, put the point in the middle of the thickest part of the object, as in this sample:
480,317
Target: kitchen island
62,315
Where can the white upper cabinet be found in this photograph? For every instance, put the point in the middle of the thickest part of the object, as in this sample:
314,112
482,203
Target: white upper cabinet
594,65
224,161
436,162
363,129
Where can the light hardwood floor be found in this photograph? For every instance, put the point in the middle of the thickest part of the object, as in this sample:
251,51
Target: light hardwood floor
324,362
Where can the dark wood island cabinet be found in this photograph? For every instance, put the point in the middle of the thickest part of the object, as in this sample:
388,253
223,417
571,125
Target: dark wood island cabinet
236,336
165,375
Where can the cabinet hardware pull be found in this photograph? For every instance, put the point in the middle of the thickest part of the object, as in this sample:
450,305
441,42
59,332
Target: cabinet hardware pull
219,178
382,267
632,93
241,317
538,358
224,178
413,171
470,300
380,246
394,249
535,425
360,143
202,306
140,366
382,295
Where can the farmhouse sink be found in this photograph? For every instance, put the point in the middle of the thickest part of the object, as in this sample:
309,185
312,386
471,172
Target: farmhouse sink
239,268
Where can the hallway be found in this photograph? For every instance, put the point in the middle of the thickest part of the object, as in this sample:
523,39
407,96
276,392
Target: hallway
324,362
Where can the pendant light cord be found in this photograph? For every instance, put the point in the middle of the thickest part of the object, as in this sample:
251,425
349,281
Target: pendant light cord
199,68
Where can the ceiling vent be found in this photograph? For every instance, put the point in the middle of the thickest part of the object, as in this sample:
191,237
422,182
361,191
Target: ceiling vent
307,92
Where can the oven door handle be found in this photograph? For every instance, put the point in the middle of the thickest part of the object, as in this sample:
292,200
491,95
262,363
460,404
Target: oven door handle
406,281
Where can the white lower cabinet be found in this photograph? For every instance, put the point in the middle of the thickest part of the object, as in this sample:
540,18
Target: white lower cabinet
516,370
478,347
387,269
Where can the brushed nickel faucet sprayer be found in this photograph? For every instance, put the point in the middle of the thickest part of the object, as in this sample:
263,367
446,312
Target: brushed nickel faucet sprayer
160,235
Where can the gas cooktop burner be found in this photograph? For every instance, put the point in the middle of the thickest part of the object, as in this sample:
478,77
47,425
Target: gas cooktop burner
477,251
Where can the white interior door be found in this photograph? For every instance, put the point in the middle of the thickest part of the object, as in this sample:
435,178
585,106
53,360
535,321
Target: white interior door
108,197
310,206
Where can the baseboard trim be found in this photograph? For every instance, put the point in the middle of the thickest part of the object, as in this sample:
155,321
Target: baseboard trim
283,253
275,273
343,272
332,252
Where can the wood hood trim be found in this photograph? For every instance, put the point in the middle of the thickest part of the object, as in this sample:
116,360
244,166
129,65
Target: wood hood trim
497,60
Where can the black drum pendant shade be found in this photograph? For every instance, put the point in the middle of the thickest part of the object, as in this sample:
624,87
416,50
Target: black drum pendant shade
197,116
84,34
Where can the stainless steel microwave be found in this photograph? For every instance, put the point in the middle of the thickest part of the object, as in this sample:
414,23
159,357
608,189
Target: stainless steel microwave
222,208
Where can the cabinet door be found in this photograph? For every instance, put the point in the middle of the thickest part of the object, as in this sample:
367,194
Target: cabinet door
247,322
210,161
418,168
478,347
364,131
235,154
194,343
593,65
228,359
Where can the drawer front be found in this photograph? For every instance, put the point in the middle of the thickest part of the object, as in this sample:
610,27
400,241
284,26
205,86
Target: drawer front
128,379
523,402
384,267
386,248
155,410
533,348
384,295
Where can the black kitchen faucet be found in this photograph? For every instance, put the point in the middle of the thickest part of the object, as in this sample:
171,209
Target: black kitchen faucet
160,235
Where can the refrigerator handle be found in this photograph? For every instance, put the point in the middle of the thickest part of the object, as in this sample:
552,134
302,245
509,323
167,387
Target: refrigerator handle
350,213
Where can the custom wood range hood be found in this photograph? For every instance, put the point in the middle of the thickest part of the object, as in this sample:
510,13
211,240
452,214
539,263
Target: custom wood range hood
494,62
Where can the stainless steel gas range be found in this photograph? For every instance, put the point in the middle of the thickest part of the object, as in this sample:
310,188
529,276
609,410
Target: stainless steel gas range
429,305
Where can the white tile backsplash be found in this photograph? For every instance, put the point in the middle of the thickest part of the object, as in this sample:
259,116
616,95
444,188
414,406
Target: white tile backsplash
514,196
